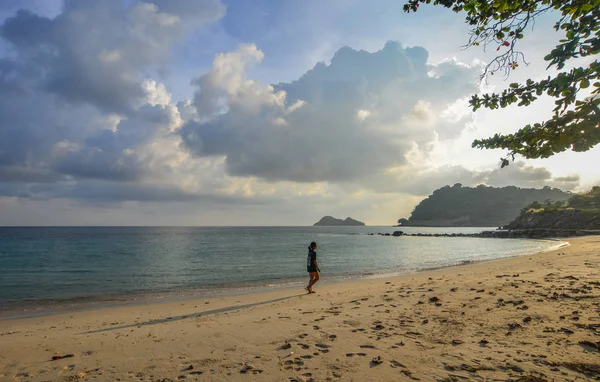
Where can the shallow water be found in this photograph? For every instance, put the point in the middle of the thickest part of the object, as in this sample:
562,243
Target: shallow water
45,265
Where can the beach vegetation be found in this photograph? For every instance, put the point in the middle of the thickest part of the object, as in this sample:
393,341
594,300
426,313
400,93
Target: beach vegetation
573,80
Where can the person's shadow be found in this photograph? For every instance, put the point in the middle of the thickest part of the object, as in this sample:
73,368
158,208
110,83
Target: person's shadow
193,315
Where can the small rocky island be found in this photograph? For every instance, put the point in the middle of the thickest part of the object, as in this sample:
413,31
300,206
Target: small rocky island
331,221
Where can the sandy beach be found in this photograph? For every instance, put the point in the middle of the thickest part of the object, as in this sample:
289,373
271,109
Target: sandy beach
530,318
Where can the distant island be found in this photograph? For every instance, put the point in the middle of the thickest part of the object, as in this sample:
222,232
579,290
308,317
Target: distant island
579,212
331,221
481,206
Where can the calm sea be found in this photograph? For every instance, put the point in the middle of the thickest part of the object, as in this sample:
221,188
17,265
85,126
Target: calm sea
73,264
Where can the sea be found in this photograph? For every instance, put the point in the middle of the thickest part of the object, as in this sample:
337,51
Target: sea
50,267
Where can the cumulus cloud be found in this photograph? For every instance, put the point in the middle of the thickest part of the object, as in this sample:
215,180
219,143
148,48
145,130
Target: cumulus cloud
419,180
117,154
340,122
84,118
94,51
75,97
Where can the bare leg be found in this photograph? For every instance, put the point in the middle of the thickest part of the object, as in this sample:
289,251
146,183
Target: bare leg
310,279
314,277
310,282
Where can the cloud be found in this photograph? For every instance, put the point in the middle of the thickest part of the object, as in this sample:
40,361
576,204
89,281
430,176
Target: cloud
75,98
418,180
95,52
117,154
341,122
88,120
199,12
522,175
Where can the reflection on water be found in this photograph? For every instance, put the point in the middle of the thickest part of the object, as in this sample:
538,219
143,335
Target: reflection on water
99,262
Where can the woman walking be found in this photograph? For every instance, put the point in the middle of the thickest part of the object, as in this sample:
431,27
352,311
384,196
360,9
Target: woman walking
312,267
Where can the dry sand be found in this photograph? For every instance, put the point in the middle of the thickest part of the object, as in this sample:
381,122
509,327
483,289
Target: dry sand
532,318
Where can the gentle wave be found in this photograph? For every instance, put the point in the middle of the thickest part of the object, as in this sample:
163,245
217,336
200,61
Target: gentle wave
66,265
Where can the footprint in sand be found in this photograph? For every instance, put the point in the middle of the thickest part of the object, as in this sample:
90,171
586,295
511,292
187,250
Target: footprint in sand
395,364
590,346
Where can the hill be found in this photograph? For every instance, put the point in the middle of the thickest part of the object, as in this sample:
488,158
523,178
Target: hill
331,221
580,212
481,206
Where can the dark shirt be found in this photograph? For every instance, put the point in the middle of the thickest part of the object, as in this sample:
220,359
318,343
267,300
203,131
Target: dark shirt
312,257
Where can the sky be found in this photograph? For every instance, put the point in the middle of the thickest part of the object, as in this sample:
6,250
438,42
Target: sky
251,112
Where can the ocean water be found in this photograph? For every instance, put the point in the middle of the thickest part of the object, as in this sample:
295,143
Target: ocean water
73,264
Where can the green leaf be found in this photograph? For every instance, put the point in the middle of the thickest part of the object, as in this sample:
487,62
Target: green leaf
573,125
584,84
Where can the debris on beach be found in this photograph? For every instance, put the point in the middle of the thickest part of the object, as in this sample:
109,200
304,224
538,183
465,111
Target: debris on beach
377,361
248,367
57,357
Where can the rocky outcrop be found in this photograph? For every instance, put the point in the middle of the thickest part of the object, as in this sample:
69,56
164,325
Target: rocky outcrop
331,221
504,234
480,206
559,219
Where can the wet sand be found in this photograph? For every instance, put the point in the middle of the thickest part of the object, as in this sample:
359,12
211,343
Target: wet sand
531,318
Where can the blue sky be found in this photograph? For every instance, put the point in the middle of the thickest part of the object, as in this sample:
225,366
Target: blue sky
295,35
208,112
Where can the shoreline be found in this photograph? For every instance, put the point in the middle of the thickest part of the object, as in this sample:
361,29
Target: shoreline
508,319
40,308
